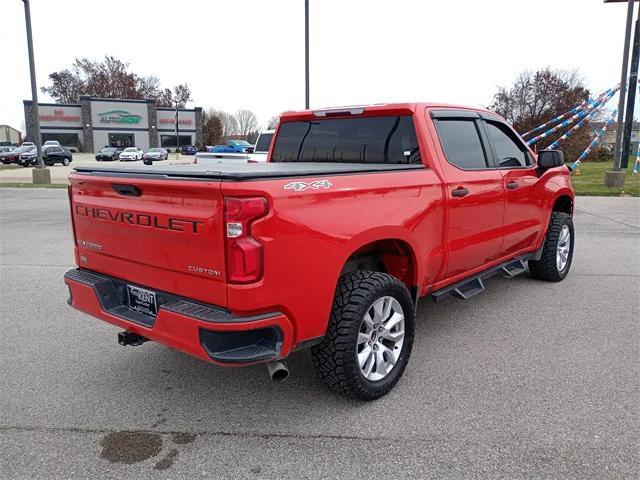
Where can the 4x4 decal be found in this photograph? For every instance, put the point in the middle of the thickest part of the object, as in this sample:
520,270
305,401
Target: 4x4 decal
315,185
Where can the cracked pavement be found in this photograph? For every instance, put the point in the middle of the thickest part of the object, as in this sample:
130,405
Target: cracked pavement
527,380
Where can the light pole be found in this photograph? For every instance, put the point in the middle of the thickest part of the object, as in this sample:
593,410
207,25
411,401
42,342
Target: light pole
40,173
615,177
177,133
631,96
306,54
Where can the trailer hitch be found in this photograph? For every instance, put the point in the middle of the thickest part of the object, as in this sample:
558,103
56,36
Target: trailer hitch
130,338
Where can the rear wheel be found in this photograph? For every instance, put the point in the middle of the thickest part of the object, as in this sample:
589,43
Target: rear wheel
369,337
557,253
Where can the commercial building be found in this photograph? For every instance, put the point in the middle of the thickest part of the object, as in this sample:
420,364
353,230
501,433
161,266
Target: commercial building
94,123
10,135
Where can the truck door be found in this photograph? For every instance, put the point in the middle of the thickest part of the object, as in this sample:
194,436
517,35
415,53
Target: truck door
474,192
524,214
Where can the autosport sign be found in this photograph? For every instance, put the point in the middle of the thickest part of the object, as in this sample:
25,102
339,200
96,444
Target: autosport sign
119,116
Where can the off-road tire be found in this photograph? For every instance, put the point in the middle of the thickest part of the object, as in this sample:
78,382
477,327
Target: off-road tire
546,268
335,358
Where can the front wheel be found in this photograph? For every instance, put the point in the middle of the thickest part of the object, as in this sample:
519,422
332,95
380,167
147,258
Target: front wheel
369,337
557,253
66,162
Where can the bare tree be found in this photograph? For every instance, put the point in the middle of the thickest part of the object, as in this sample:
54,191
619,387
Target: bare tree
273,122
149,86
228,122
110,78
181,95
212,129
66,86
535,98
247,122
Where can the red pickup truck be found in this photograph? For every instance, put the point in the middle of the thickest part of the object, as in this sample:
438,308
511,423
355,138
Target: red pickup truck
358,213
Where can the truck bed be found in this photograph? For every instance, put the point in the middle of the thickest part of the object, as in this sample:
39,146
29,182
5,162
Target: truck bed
242,171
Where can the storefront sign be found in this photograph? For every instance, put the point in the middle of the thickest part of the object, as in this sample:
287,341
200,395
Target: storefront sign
182,121
59,116
119,116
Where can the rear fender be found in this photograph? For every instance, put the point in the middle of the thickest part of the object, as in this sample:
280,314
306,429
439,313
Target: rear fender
361,242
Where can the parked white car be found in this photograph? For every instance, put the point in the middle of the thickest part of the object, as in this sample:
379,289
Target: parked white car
258,155
131,154
52,143
28,144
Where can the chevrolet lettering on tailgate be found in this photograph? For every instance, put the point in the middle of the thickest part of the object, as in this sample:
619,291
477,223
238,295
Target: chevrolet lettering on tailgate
141,219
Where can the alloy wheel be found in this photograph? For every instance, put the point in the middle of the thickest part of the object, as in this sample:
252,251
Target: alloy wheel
380,338
564,246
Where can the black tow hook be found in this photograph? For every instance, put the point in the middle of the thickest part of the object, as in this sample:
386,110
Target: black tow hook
130,338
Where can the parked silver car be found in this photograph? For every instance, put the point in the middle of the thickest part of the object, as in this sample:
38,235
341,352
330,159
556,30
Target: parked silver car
155,154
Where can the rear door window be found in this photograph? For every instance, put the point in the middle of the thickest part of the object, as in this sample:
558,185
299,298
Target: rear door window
389,139
460,140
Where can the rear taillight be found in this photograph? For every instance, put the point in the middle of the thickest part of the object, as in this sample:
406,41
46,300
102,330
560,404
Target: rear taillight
244,253
73,223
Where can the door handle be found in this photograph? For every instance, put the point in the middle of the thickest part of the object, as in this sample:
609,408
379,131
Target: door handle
512,185
460,192
126,190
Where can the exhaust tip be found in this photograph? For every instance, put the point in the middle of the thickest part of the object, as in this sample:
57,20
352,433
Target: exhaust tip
278,371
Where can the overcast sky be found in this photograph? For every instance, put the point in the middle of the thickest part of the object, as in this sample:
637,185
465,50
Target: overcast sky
250,53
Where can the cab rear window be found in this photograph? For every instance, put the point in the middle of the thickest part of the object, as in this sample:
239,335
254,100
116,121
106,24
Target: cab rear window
389,139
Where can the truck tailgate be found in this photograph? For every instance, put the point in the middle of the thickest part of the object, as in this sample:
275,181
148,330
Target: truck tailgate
163,234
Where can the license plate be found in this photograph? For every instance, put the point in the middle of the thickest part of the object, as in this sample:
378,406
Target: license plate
141,300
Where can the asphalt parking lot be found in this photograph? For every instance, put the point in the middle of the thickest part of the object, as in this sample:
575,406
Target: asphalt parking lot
528,380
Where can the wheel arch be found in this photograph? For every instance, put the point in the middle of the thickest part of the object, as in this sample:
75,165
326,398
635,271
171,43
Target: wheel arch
563,203
392,254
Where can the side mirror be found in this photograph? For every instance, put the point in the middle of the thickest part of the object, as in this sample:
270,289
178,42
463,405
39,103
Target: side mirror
550,159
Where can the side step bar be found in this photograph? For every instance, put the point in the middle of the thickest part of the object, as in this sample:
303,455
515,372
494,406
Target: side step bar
474,285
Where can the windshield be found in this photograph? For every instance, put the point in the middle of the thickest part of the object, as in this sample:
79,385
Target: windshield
240,143
108,150
264,140
130,150
389,139
155,150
